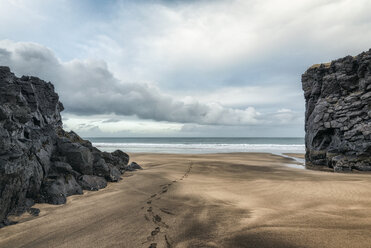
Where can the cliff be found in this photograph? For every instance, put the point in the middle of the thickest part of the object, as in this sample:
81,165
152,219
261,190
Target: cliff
338,113
39,161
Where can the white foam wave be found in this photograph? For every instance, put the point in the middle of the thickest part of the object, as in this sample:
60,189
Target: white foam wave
200,147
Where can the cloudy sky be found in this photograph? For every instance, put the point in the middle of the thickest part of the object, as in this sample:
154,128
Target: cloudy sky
180,68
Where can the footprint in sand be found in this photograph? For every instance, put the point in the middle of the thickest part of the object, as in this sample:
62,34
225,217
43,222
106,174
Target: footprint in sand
155,232
156,219
154,195
166,211
146,217
168,242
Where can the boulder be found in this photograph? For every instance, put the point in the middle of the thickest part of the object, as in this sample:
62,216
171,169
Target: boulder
118,158
55,191
134,166
114,175
89,182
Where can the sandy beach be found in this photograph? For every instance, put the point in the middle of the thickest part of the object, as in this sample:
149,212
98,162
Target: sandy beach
213,200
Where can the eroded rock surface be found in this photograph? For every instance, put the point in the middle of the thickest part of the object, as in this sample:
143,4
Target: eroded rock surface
338,114
39,161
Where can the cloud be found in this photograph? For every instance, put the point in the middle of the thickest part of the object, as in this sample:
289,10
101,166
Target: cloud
97,125
111,120
210,44
287,116
89,88
258,96
222,62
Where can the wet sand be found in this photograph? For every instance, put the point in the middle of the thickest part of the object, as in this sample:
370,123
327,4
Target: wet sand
215,200
296,155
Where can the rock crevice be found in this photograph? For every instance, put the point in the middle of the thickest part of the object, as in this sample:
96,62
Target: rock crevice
338,114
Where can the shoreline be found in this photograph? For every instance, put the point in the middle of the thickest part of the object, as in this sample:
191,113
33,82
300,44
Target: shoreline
201,145
207,200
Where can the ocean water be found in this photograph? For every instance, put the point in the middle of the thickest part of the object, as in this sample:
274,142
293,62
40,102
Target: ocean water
201,145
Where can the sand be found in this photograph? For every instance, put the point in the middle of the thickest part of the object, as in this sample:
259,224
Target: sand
215,200
296,155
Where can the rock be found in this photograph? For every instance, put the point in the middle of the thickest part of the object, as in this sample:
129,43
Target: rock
34,211
55,191
101,168
59,167
39,161
77,155
337,117
114,175
134,166
89,182
119,158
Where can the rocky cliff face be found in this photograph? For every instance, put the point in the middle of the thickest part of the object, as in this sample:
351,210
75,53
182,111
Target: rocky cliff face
338,113
39,161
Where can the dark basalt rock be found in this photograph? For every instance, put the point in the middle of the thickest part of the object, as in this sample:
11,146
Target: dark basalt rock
34,211
55,190
118,158
39,161
90,182
338,114
134,166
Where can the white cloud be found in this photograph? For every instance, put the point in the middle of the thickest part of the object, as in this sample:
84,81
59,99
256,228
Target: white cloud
213,39
265,95
89,88
287,116
113,125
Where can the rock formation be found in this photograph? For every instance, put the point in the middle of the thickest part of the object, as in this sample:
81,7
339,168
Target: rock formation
338,114
39,161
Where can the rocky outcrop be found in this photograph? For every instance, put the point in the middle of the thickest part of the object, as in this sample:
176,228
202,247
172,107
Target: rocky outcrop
338,114
39,161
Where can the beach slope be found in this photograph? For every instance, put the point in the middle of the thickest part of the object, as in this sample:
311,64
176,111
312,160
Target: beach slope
213,200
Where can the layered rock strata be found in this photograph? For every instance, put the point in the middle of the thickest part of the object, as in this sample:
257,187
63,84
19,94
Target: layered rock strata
39,161
338,114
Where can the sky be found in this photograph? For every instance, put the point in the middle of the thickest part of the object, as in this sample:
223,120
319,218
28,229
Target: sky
177,68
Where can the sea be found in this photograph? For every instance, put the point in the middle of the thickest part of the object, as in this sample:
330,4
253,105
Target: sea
198,145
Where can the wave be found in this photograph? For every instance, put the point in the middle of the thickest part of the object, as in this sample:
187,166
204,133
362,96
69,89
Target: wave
200,147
